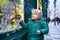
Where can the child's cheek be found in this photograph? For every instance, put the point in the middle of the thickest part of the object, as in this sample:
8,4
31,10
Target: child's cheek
34,17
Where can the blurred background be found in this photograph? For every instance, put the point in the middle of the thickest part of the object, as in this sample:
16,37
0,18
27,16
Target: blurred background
12,10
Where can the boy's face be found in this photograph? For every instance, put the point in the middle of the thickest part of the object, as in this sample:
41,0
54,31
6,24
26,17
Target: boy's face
35,15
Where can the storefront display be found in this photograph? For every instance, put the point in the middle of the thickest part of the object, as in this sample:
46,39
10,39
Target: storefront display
9,11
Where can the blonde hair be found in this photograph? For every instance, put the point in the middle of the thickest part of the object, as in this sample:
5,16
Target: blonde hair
36,10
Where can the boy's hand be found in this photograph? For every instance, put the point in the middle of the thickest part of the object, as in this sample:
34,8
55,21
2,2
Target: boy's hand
38,32
19,20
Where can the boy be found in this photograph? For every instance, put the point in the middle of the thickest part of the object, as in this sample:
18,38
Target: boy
36,26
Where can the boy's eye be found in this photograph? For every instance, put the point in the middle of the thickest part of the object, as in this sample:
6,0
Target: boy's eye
34,13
